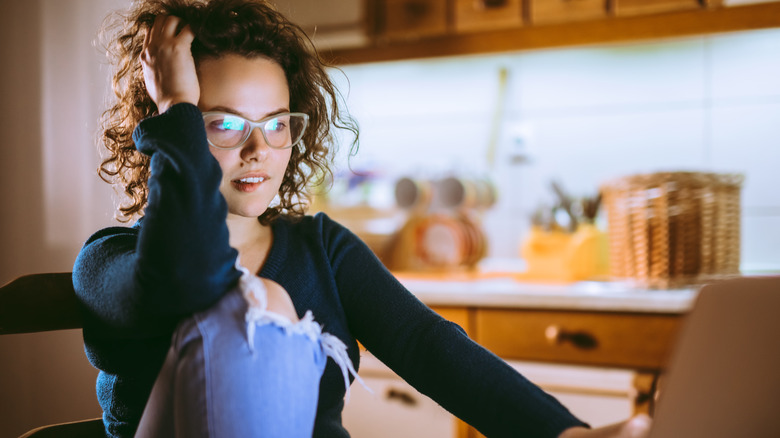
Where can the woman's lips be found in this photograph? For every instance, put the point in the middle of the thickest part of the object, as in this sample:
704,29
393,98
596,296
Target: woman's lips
248,184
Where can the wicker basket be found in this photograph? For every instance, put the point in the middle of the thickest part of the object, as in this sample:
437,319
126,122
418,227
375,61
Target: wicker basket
675,228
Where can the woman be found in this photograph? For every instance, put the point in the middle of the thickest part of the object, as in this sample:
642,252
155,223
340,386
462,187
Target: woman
199,317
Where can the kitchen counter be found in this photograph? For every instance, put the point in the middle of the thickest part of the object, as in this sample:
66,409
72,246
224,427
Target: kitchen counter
507,292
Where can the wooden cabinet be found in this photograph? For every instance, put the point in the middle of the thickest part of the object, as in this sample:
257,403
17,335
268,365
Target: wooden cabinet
413,29
628,340
360,31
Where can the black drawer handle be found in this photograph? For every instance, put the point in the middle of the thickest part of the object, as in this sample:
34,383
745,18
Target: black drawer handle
416,9
490,4
583,340
401,396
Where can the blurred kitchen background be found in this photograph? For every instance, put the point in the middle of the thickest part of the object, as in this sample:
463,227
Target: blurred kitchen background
578,115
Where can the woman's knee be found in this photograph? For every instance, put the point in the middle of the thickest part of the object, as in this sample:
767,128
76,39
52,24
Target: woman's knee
213,385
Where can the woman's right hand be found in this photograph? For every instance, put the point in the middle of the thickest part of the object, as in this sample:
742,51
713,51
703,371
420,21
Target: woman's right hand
637,426
168,65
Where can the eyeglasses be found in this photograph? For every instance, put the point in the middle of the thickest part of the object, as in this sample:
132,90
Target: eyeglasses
229,131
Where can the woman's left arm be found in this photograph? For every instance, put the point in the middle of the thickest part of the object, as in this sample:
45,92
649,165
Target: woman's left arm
434,355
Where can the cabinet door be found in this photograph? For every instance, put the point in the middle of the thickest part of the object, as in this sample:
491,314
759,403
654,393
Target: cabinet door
331,23
624,8
412,19
558,11
473,15
395,409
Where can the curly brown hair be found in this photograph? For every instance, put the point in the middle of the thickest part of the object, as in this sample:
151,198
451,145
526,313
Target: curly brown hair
250,28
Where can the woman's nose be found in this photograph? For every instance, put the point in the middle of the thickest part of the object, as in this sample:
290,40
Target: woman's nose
255,148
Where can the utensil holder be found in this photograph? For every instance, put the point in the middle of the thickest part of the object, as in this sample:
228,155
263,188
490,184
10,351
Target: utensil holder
562,256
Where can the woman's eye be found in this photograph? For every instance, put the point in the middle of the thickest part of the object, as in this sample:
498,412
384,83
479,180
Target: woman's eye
232,123
276,125
224,124
216,125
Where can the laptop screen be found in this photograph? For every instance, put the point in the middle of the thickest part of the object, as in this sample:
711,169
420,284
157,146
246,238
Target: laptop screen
723,379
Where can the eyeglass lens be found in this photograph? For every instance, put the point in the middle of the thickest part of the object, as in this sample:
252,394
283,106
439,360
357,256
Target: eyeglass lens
229,131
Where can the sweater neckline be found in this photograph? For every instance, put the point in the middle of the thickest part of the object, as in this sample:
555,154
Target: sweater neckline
278,252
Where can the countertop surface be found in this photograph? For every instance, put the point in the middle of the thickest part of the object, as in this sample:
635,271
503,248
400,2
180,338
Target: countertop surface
508,292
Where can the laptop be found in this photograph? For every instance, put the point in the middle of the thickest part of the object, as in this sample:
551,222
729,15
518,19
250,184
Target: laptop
723,379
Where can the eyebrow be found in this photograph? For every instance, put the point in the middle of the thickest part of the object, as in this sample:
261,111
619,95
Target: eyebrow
227,109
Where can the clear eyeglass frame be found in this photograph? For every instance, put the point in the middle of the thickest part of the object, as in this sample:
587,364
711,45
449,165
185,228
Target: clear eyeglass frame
258,124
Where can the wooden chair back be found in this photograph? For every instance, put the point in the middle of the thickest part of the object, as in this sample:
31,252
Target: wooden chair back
38,303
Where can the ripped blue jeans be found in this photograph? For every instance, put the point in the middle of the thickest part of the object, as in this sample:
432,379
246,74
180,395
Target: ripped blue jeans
238,370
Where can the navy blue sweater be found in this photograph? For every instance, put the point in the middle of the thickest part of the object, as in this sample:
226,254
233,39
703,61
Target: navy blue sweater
137,283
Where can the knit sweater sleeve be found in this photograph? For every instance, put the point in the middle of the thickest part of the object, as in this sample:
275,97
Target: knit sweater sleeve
434,355
139,281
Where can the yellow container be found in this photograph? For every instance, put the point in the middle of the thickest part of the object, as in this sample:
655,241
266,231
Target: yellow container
562,256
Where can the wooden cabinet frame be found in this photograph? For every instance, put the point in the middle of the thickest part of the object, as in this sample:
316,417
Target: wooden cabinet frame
602,31
632,340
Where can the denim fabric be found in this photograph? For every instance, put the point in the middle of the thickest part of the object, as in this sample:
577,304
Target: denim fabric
213,385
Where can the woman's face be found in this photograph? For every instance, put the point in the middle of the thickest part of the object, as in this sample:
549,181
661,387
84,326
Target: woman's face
253,88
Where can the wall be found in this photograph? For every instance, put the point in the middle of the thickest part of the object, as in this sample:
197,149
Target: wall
583,116
53,87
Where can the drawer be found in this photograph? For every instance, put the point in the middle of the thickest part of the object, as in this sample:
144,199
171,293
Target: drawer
474,15
617,340
559,11
412,19
395,409
458,315
638,7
